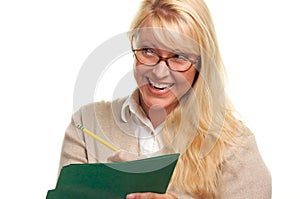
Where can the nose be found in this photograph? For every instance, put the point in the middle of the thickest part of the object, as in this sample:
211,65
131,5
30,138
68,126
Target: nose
161,70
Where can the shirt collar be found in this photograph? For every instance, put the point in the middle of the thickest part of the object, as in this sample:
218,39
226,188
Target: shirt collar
124,108
131,108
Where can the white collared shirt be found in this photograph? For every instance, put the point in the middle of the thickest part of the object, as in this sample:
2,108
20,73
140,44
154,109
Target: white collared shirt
150,139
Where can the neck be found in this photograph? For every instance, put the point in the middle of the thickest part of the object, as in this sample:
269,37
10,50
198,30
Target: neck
156,113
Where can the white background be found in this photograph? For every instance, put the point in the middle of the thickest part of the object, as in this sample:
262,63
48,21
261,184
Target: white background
43,45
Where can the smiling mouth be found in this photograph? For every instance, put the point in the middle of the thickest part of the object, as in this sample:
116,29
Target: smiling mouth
159,86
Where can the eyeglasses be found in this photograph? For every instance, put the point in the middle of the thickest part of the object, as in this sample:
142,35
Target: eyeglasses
177,62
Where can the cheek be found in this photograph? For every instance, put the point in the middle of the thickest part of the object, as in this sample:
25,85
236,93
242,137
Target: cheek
139,73
185,80
136,71
191,75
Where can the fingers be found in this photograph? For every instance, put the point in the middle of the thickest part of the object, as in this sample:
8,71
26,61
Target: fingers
143,196
122,156
150,195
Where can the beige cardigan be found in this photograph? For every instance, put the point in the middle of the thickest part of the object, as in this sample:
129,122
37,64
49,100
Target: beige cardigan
244,176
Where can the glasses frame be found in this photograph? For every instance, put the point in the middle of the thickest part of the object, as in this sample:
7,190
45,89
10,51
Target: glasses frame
165,59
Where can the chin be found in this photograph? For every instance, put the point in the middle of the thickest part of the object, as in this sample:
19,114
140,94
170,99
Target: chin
167,104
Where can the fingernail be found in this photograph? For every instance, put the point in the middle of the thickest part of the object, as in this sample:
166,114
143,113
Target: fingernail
130,196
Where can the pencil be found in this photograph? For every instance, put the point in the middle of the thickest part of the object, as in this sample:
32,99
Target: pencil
83,129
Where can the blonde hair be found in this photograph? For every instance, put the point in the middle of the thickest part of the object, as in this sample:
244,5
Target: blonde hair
203,126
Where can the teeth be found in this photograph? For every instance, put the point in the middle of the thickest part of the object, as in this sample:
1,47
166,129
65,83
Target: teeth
160,86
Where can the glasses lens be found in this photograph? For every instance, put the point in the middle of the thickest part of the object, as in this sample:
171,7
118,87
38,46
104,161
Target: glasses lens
147,57
179,64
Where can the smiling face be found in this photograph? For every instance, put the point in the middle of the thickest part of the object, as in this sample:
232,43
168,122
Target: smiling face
160,86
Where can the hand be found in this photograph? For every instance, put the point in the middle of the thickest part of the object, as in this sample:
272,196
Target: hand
150,195
123,156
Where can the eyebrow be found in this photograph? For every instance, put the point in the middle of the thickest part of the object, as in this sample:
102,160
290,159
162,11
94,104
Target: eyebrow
146,43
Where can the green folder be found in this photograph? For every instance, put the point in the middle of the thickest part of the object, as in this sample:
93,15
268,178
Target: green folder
114,180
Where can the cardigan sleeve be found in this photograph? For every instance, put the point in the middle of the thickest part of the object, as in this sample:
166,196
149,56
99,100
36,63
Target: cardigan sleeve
245,175
77,147
73,147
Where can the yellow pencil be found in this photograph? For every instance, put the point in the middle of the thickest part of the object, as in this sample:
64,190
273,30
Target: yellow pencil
82,128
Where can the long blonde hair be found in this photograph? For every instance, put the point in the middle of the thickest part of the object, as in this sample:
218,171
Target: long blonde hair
205,113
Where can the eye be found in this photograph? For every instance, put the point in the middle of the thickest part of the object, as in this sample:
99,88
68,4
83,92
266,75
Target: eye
149,52
180,58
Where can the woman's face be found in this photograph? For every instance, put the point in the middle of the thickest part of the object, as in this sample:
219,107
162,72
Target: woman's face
158,85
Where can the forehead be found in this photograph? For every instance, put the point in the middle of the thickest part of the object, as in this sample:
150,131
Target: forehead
164,39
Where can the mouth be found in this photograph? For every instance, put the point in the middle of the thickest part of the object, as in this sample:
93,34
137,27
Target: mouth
160,86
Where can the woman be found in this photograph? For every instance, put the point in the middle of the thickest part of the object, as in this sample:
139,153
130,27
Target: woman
180,106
